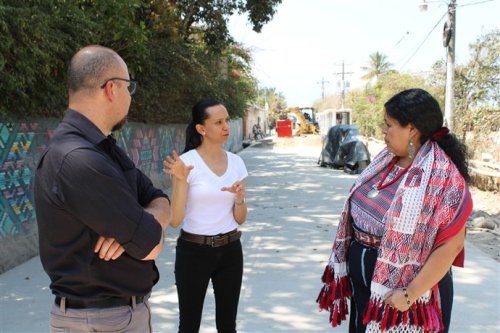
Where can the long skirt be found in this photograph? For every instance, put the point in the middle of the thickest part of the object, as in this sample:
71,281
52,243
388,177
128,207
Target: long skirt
361,263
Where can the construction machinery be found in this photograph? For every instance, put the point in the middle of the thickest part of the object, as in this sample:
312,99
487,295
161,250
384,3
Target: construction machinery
306,118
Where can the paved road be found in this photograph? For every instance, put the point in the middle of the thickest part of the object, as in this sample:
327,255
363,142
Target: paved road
293,212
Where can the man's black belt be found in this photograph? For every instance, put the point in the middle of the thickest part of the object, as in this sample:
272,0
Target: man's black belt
101,303
213,241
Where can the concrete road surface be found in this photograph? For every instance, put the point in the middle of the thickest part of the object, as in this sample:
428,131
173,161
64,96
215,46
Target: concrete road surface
294,206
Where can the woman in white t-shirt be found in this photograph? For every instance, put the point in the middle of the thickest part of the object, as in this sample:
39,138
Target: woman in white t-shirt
208,198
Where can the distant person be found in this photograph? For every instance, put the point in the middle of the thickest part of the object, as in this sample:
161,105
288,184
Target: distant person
208,198
403,226
257,132
100,219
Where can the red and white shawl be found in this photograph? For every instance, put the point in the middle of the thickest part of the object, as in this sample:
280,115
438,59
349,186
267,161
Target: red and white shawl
422,216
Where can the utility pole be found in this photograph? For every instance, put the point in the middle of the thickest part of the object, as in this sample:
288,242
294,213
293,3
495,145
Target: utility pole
323,87
449,42
449,33
343,73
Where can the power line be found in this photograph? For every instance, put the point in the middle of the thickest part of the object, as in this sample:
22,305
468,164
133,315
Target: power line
474,3
425,39
399,41
418,48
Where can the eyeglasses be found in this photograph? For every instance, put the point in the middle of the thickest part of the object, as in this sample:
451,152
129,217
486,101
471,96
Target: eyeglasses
131,87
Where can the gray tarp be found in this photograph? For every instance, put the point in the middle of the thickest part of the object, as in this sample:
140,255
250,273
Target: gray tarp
343,149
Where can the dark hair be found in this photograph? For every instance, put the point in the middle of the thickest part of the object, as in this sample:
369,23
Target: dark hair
418,107
198,116
89,66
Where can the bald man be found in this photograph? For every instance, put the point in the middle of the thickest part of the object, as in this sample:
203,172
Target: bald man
100,219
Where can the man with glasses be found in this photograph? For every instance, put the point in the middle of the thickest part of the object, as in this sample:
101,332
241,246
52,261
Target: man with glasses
100,219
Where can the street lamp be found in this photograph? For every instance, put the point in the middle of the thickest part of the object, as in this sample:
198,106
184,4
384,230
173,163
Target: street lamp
448,42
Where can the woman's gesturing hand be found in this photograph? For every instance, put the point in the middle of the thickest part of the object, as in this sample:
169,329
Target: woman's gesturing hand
174,166
238,188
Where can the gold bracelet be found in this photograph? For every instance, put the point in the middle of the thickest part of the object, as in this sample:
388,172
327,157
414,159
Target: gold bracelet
405,291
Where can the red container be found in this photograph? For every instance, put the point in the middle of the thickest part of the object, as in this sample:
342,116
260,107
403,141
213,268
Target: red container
284,128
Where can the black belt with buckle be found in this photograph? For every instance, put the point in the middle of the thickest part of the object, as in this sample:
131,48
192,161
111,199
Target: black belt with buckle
213,241
101,303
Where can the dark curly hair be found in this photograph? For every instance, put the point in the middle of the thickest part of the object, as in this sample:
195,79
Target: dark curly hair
418,107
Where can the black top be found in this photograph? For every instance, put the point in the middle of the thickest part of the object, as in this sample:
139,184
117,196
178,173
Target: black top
86,187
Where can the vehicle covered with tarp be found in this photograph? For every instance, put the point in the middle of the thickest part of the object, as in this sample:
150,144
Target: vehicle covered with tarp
344,149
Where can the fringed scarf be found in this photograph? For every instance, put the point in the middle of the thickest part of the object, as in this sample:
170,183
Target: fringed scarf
423,215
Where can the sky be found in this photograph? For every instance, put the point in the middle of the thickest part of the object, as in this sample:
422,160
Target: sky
308,41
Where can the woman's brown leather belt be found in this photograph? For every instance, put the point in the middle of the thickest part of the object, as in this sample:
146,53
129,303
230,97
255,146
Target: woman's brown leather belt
213,241
366,239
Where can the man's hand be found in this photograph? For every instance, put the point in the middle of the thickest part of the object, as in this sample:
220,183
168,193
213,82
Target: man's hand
108,248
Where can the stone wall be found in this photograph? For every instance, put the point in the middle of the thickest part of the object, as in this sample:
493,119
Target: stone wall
21,144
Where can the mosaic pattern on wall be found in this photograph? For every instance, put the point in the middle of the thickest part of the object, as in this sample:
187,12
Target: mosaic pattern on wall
18,155
148,145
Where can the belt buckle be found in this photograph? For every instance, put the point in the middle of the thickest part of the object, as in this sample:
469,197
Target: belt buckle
215,239
142,299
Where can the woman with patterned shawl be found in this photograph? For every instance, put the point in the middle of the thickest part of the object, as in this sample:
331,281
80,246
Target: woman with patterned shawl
402,227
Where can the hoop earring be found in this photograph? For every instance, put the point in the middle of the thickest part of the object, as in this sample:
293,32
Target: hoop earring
411,150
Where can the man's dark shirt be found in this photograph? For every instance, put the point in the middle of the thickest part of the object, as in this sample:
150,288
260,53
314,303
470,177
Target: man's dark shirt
86,187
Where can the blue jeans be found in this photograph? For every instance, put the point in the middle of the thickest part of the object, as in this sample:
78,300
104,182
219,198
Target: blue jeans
195,266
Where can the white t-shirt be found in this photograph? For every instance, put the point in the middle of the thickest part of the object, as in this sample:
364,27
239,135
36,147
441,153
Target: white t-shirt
209,211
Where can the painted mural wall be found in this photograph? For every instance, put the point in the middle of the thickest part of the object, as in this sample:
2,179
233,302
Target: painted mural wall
21,145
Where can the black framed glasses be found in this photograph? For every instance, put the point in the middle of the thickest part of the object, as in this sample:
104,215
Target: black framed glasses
132,84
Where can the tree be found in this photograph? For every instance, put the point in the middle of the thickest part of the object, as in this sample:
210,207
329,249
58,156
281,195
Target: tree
271,98
207,19
174,66
378,66
36,40
482,73
260,12
368,103
476,88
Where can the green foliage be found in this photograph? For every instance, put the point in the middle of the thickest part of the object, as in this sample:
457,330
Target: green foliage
476,86
182,75
483,70
437,78
275,100
368,104
476,91
180,51
367,112
207,19
37,38
478,128
261,12
378,66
